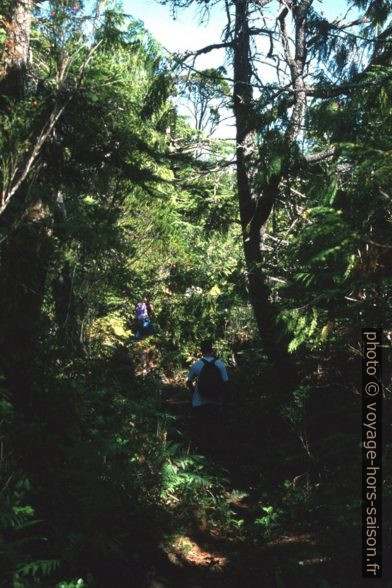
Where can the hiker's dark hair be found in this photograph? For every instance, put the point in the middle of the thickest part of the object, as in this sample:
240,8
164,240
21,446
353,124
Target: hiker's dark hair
206,345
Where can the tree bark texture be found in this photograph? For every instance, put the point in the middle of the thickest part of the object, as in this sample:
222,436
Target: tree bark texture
18,25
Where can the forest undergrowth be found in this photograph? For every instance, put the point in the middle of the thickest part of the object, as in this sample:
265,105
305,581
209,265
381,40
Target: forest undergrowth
117,495
263,507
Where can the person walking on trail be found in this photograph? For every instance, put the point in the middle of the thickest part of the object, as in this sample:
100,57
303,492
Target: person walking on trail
144,311
207,380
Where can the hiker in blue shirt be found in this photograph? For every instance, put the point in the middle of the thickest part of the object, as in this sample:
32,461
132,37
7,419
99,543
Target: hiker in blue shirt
211,379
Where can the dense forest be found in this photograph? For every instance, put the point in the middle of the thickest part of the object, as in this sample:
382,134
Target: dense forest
118,183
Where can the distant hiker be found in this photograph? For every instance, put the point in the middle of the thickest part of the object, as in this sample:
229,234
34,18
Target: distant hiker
143,312
211,382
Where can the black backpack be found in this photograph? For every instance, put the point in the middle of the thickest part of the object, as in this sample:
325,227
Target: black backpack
210,383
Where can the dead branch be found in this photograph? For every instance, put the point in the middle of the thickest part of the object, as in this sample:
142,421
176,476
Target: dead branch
314,157
207,49
17,179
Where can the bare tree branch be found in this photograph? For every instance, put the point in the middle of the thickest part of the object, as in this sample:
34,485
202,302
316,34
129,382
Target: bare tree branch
314,157
207,49
296,63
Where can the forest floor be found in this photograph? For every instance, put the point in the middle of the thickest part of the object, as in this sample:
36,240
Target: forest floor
301,541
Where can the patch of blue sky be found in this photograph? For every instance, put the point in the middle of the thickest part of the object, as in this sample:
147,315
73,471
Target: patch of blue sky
185,32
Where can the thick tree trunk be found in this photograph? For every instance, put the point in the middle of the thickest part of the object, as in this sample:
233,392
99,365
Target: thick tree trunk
255,208
13,74
24,259
25,251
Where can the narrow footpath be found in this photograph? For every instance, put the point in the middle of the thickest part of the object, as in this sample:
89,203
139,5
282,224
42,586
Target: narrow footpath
263,544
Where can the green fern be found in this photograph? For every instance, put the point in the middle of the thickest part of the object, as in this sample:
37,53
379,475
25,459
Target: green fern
42,567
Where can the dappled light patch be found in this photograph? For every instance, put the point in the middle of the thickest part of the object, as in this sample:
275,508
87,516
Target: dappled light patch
313,561
289,539
191,552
